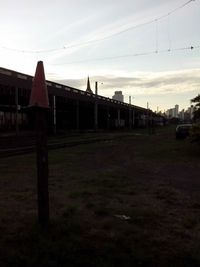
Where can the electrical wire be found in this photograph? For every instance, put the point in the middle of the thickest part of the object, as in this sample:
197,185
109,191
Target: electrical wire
99,39
31,51
131,55
132,27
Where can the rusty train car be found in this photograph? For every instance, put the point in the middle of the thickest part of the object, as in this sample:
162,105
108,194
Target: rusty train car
70,108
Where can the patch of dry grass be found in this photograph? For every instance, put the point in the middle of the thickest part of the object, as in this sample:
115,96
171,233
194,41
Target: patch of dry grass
152,180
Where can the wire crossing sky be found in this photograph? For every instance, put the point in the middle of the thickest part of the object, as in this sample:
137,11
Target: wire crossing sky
103,38
134,55
148,49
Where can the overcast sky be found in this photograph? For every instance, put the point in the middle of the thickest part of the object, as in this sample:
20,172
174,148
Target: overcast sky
137,46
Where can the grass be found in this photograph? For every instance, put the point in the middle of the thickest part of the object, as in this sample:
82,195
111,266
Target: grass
152,179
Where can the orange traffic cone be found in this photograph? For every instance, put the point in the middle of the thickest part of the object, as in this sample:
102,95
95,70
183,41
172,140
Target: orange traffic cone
39,94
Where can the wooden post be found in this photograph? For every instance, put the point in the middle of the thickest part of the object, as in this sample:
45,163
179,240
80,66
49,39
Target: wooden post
42,166
40,104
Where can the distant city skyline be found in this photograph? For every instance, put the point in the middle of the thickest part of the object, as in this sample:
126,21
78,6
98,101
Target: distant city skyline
147,49
184,114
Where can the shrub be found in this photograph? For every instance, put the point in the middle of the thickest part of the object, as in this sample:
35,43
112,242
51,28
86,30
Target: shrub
195,132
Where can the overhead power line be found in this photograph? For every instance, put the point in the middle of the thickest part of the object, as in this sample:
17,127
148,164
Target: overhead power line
132,27
131,55
99,39
31,51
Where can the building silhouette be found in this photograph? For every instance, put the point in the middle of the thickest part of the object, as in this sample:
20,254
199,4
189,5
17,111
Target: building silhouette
183,115
118,96
70,108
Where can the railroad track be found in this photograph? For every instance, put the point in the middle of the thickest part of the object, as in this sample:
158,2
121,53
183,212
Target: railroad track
13,151
12,146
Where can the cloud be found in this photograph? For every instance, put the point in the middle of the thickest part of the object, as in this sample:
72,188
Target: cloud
163,89
172,82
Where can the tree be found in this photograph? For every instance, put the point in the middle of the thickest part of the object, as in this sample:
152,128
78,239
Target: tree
195,133
196,112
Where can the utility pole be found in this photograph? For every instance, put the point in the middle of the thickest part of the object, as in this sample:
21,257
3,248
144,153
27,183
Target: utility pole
77,115
129,115
96,88
147,116
96,108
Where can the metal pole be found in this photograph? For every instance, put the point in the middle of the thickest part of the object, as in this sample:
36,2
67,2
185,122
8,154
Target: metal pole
108,118
16,111
95,115
96,88
96,108
77,115
118,117
133,118
54,114
129,116
147,116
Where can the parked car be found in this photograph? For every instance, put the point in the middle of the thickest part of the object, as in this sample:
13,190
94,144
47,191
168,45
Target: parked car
183,130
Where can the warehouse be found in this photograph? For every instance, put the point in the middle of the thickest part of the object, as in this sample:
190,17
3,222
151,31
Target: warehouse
70,108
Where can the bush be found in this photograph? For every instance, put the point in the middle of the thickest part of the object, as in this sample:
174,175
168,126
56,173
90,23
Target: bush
195,132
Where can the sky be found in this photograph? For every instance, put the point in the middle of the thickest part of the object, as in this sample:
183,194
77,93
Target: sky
141,47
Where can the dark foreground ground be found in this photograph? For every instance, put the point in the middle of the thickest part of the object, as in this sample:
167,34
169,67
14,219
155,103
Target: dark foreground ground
154,180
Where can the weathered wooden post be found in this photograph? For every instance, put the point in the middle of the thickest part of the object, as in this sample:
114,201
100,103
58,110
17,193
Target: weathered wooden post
39,103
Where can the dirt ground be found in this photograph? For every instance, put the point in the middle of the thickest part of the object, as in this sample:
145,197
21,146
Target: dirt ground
132,201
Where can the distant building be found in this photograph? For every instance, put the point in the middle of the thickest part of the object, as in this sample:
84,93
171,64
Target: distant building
170,113
182,115
190,111
176,111
118,96
173,112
